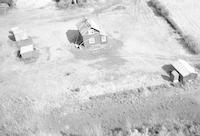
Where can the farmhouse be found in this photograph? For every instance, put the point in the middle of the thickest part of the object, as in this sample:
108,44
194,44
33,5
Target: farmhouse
91,33
184,71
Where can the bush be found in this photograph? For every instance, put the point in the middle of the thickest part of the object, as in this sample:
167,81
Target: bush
159,9
191,43
197,66
10,3
68,3
176,28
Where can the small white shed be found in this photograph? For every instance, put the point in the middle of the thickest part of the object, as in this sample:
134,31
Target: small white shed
28,53
186,72
19,34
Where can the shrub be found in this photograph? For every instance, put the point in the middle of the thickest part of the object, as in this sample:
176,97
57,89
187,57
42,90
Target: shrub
191,43
163,12
10,3
174,25
197,66
159,9
68,3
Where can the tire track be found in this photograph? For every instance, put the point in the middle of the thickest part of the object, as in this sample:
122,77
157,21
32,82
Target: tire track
147,15
191,21
178,17
186,21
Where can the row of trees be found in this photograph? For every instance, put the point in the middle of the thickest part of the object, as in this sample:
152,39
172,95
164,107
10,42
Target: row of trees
67,3
10,3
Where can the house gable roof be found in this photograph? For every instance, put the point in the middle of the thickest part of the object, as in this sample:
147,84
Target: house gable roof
19,34
183,68
86,24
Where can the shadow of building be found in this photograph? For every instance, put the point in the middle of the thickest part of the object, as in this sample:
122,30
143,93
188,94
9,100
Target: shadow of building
74,37
168,69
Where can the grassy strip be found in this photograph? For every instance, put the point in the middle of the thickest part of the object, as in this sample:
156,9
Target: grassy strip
172,128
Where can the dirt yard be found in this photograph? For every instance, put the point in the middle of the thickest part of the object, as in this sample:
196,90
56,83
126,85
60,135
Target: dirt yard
119,89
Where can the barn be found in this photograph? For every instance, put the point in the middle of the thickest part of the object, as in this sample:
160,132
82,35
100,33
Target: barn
185,71
91,33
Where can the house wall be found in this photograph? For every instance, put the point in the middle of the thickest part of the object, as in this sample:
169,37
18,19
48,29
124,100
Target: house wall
91,37
27,55
174,76
96,37
183,79
104,39
88,39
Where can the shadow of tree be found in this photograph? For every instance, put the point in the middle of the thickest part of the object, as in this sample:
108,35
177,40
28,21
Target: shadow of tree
12,37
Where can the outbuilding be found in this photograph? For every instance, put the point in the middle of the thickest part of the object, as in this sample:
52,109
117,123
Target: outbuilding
28,53
26,49
92,34
185,71
4,8
18,34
